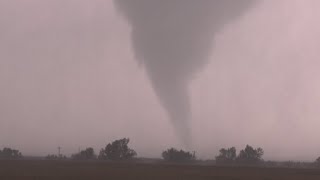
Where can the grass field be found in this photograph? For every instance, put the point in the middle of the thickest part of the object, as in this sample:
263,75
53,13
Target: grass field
73,170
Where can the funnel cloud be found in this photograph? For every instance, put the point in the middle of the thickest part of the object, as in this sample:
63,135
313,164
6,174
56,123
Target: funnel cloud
172,39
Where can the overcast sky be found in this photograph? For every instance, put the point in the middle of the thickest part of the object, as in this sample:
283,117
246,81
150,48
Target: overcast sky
68,78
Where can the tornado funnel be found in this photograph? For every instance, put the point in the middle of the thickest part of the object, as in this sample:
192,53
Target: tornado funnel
172,39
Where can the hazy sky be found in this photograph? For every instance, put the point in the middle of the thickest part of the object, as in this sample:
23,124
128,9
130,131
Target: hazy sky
68,78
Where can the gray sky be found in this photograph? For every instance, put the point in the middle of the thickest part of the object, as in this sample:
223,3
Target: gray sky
68,78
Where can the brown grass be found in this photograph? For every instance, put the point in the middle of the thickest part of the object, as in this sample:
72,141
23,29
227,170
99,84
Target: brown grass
73,170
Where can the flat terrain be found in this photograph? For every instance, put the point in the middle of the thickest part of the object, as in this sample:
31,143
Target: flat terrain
73,170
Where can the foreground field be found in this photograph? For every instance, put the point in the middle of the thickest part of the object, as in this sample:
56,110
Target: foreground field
71,170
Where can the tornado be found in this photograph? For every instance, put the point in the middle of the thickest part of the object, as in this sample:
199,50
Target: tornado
172,39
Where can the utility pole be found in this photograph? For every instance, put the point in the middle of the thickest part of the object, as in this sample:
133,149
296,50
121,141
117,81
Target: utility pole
59,149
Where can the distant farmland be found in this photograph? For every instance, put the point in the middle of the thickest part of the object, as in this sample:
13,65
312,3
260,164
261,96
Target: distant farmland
95,170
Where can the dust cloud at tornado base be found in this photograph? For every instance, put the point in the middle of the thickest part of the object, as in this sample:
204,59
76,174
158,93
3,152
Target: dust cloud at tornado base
69,78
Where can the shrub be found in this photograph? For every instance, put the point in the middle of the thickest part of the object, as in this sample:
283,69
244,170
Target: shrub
55,157
175,155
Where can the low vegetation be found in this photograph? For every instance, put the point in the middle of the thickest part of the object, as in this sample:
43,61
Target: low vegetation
55,157
175,155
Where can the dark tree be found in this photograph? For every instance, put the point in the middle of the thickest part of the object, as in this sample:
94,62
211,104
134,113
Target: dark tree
250,155
227,156
8,153
175,155
317,162
87,154
117,150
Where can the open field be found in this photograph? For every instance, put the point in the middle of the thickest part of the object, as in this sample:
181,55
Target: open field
73,170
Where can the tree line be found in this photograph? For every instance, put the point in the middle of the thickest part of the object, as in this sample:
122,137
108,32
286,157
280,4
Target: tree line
249,155
119,150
